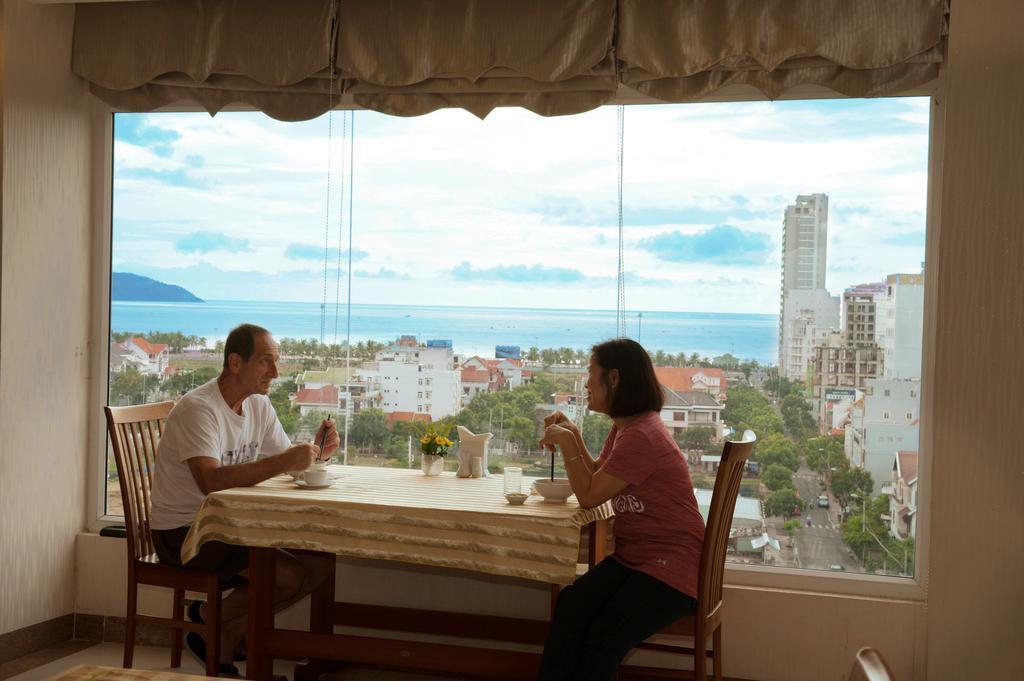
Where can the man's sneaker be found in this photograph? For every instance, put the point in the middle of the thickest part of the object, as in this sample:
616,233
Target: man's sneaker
195,616
197,646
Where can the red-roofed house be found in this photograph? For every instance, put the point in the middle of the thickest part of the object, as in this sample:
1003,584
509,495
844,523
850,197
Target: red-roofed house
694,379
511,370
155,355
395,416
474,381
323,399
903,500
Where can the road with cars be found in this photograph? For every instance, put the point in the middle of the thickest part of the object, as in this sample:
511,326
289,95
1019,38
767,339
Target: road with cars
819,544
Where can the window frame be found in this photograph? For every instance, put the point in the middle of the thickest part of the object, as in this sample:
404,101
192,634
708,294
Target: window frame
803,580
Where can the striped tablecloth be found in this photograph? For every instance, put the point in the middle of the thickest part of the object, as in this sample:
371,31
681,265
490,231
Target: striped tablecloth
403,515
95,673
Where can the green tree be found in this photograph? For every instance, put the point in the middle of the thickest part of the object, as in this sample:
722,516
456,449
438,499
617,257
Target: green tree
782,503
594,430
522,430
791,526
796,412
822,452
129,386
286,414
185,380
369,428
776,450
777,477
848,482
726,361
695,438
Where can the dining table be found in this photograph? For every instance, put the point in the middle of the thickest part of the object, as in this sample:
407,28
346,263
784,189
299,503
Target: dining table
402,515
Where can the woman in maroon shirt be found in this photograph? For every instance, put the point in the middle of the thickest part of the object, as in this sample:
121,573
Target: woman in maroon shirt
651,578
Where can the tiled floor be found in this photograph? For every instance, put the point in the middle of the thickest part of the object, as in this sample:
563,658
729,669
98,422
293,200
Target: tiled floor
109,654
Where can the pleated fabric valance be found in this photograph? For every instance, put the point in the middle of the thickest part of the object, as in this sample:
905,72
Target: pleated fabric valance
293,59
684,50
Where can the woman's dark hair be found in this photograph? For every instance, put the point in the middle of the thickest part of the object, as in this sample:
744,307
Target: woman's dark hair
241,341
638,390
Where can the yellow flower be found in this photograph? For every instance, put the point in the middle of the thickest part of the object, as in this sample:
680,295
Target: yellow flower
425,439
438,440
448,443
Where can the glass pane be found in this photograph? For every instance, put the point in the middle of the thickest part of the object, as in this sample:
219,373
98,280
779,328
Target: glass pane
773,265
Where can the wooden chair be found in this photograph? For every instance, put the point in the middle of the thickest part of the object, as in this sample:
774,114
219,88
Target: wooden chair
707,619
869,666
134,433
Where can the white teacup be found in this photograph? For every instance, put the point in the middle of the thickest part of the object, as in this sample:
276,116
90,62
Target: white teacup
317,474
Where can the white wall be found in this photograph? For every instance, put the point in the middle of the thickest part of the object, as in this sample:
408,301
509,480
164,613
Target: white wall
44,317
969,627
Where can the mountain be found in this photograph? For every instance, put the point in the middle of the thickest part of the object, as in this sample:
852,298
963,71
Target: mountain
127,286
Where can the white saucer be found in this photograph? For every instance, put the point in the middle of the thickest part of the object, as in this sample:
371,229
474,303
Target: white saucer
305,485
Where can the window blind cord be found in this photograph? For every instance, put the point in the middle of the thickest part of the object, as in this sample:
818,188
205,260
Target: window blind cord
620,311
348,306
341,223
327,207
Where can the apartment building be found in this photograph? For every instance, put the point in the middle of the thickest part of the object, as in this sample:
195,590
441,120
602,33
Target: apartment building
882,423
900,325
410,387
859,313
840,373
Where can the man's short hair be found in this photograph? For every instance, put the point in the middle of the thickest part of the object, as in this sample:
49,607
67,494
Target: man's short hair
639,390
241,341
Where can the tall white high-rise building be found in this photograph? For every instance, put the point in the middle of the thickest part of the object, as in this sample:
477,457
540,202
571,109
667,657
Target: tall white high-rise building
899,325
804,243
806,310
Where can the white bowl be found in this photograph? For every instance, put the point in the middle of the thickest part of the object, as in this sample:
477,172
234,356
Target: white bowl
554,491
516,499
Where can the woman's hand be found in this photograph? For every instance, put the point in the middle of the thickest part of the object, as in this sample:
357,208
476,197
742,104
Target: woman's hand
557,418
557,434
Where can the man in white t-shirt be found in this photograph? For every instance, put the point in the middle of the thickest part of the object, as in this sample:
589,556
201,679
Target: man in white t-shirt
213,440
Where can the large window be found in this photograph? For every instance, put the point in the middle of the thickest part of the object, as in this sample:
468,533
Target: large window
773,268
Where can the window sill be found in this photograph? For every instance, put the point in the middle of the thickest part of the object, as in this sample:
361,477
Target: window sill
824,582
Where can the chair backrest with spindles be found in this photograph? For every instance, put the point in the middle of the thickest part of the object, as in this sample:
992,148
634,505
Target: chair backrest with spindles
134,435
716,535
869,666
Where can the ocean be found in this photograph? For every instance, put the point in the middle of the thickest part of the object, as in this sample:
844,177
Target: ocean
472,330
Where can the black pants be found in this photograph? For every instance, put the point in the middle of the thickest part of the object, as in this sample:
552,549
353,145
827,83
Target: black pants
602,617
227,559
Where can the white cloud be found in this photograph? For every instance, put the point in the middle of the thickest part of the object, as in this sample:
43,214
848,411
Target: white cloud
433,191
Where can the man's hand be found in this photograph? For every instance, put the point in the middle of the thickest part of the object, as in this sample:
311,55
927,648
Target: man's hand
300,457
557,418
330,445
211,477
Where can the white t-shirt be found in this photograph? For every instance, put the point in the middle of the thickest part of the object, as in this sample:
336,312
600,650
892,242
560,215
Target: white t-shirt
202,424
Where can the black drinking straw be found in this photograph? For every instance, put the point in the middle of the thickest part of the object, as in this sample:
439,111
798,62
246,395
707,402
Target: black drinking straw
323,441
552,452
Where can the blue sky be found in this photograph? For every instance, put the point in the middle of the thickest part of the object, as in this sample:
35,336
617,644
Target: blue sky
517,209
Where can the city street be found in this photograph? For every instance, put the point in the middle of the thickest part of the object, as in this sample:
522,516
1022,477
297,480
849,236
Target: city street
819,545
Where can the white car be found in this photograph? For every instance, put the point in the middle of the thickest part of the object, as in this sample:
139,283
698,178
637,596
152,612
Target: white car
823,501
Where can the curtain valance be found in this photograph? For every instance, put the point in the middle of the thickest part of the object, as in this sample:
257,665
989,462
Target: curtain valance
293,59
683,50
